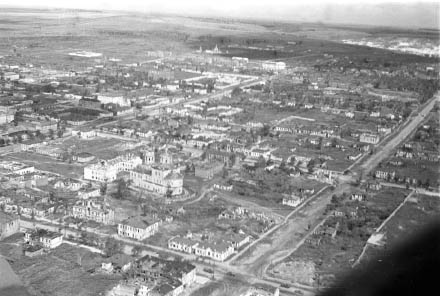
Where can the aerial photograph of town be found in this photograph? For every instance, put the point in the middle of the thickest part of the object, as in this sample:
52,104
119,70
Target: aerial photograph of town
180,148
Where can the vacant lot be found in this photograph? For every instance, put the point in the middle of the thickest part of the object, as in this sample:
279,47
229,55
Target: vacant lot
334,256
49,164
63,272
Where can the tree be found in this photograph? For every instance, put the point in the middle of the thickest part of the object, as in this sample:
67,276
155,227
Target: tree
265,130
122,189
112,247
311,165
103,188
224,173
136,250
169,192
236,92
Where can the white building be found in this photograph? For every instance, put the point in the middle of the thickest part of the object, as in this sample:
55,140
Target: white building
107,171
137,228
292,201
369,138
273,66
114,99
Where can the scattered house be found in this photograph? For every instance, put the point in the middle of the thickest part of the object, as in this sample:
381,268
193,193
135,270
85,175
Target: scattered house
86,193
84,157
384,175
69,184
358,196
33,250
238,240
313,241
292,200
123,290
374,186
117,263
90,103
261,292
369,138
223,187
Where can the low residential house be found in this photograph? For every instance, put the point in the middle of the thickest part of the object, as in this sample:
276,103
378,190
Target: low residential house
292,200
238,240
385,175
374,186
261,292
358,196
352,211
330,231
338,213
182,244
313,241
84,157
69,184
369,138
33,250
89,103
86,193
9,224
47,239
138,228
123,290
117,263
218,251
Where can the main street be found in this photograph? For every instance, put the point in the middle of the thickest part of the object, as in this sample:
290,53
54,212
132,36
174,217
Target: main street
385,150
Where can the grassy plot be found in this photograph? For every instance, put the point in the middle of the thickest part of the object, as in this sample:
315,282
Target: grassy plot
59,273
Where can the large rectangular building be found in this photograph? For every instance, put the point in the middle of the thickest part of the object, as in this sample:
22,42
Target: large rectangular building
107,171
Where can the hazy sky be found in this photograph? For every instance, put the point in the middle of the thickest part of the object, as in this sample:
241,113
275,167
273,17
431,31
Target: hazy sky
404,13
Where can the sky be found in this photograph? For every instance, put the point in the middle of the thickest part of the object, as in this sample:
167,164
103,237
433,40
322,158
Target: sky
403,13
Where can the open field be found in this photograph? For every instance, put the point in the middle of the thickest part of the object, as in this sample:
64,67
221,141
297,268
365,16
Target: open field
417,214
59,273
46,163
334,256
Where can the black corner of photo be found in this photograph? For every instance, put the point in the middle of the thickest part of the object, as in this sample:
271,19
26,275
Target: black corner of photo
409,269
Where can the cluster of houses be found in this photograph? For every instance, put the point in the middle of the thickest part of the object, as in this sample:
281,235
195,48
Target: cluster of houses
148,276
38,241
